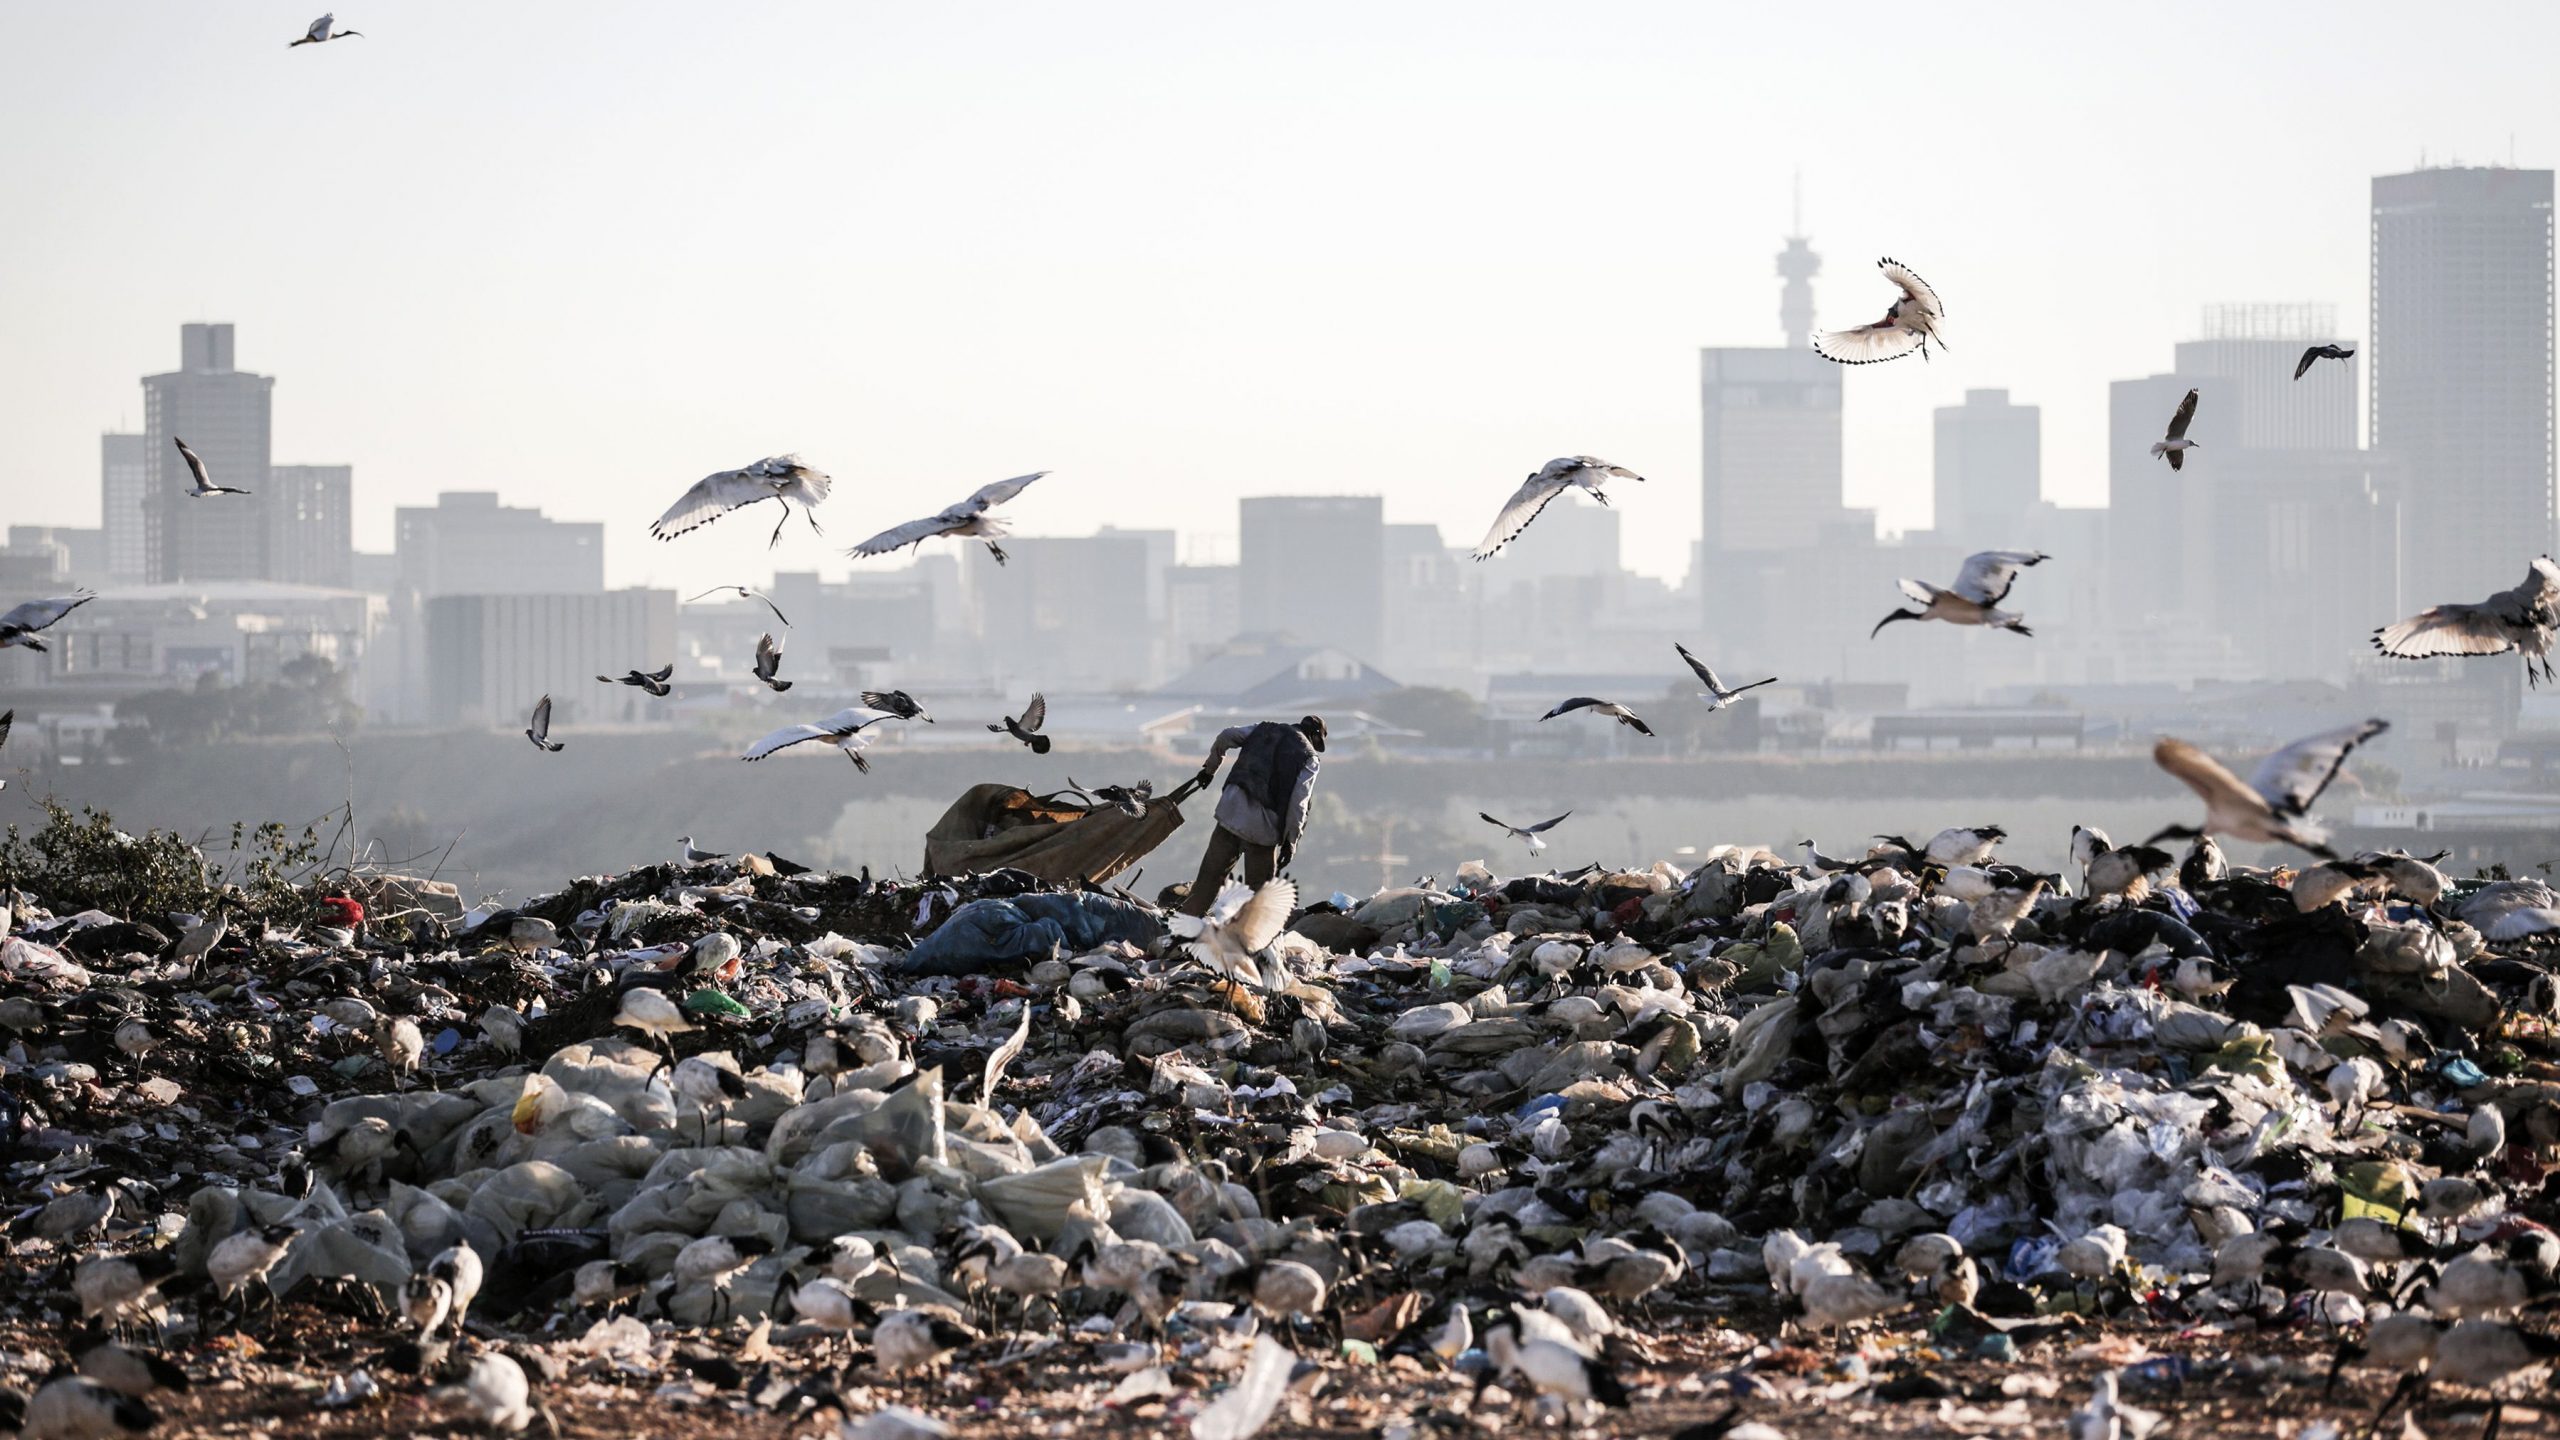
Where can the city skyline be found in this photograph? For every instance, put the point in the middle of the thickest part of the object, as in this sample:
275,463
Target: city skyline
600,373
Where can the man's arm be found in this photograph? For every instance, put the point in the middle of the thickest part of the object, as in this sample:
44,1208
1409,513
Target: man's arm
1293,819
1228,739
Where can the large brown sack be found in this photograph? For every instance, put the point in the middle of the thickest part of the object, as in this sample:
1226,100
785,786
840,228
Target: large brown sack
994,827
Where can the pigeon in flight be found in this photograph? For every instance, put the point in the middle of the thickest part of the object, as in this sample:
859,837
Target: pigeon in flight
2175,444
1565,472
1127,799
898,703
204,482
1980,587
321,33
1534,834
20,625
972,517
1027,728
746,593
1909,324
2522,618
769,662
2274,806
847,730
653,681
779,478
1715,695
1613,710
538,729
2321,352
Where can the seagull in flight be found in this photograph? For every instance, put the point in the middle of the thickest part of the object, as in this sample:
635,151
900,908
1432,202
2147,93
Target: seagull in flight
1715,695
204,482
320,32
1909,324
746,593
1565,472
1610,708
769,662
653,681
2274,806
847,730
2321,352
779,478
1534,834
972,517
1026,728
20,625
2523,617
1980,587
2175,444
538,729
898,703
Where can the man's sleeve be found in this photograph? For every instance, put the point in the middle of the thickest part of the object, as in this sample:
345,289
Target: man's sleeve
1228,739
1294,823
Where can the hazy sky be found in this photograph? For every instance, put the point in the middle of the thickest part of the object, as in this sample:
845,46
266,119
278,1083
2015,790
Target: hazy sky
583,253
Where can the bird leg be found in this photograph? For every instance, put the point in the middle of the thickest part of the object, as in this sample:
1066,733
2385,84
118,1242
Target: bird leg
778,524
2407,1386
996,550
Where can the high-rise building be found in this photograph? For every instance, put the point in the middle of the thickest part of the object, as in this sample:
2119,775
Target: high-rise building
1203,609
469,544
490,657
226,416
2248,352
2460,362
1989,471
1068,613
1772,451
2160,521
1313,567
311,525
124,497
1433,619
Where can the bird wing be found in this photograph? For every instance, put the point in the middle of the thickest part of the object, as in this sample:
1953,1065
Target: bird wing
1261,919
1594,462
1698,667
1866,344
1914,288
990,496
661,675
893,702
195,462
2304,364
1576,703
2293,777
914,532
768,654
37,614
1523,506
786,737
1545,825
1986,577
711,497
2445,630
2186,415
855,718
8,718
1633,721
1035,714
319,28
1503,824
2196,770
540,725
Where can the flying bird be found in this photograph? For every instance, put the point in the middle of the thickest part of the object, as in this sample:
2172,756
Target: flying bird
20,625
195,466
8,718
653,681
1715,695
1241,925
898,703
2521,618
2274,806
2321,352
769,662
1534,834
1565,472
745,592
1127,799
1026,728
971,517
2175,444
1980,587
320,32
538,729
1909,324
1610,708
845,730
779,478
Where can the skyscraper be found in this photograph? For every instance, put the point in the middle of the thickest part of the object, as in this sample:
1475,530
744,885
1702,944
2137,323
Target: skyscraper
469,544
124,497
1989,470
1772,429
1313,567
2248,352
2461,369
311,525
226,417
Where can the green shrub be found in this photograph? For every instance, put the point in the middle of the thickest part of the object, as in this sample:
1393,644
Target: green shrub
80,862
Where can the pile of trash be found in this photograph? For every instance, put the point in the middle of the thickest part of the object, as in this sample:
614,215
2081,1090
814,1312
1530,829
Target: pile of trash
741,1139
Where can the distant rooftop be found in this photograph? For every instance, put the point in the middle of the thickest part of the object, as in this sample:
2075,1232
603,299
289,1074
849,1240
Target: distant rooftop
2271,320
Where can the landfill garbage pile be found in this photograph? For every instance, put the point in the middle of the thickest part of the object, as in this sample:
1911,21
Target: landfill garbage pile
1910,1142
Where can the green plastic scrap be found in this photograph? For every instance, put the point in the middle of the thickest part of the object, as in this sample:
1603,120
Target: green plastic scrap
712,1002
1443,1204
